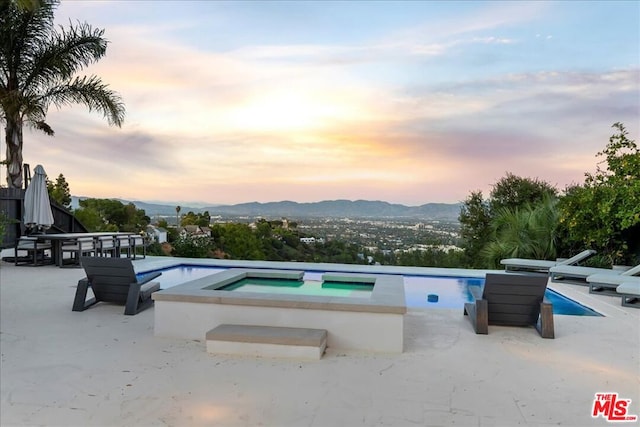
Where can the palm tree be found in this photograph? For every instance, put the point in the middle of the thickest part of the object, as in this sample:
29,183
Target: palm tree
525,232
37,69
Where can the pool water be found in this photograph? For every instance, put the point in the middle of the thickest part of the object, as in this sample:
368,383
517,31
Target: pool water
301,287
180,274
453,292
450,292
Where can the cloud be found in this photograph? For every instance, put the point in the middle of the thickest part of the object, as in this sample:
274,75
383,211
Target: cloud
427,111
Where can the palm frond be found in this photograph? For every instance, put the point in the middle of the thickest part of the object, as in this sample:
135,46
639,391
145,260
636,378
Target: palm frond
66,53
23,30
44,127
91,92
526,232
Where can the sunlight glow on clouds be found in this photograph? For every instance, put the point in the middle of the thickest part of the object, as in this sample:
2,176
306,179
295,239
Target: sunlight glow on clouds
430,101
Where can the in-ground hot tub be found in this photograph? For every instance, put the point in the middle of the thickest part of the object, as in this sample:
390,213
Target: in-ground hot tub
371,321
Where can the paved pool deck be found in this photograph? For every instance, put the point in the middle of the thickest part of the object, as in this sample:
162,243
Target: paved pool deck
101,368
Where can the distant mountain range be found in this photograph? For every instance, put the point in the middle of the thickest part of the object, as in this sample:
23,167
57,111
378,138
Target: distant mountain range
323,209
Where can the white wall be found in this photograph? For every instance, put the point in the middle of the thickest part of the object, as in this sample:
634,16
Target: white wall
381,332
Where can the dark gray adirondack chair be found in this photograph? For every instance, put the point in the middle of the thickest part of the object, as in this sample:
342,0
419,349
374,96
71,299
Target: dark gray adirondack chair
114,280
511,300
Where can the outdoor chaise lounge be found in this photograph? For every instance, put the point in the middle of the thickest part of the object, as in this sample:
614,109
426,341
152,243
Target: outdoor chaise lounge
114,280
606,283
540,265
511,300
578,275
630,292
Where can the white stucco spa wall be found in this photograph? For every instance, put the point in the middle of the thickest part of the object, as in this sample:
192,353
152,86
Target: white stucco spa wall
378,332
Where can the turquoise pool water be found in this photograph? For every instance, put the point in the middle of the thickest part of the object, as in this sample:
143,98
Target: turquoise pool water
301,287
451,292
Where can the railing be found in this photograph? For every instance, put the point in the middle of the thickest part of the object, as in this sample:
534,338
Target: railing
11,204
64,221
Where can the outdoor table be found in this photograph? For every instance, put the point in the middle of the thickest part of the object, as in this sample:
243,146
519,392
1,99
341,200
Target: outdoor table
57,239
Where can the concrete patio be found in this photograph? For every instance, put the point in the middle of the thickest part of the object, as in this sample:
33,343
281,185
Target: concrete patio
101,368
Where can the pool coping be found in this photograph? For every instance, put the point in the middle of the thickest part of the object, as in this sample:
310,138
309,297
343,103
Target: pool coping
152,263
387,295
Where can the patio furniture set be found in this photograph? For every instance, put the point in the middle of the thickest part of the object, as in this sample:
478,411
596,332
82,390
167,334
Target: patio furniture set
65,249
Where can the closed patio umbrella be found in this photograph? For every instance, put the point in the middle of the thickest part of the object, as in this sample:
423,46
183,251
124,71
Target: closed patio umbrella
37,208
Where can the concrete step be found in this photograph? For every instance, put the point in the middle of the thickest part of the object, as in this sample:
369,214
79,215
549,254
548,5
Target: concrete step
267,341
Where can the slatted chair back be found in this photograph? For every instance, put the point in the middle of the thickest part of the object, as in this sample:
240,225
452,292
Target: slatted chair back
514,300
137,241
109,278
106,245
78,247
124,245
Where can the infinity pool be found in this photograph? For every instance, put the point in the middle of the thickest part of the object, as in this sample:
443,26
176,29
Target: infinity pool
420,291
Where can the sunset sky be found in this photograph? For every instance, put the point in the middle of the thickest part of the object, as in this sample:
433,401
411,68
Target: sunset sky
406,102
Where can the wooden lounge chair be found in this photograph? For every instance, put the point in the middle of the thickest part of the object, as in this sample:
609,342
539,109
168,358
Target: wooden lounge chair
542,266
511,300
114,280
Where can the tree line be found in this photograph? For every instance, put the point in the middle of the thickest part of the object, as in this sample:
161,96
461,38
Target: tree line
522,217
527,218
263,240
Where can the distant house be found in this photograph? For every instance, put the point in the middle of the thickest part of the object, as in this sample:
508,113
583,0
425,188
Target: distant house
362,258
194,231
157,234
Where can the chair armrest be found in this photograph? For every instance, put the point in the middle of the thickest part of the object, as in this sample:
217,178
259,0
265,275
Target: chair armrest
147,277
476,292
544,325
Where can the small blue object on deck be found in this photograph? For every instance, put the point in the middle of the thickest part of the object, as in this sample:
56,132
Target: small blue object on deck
432,298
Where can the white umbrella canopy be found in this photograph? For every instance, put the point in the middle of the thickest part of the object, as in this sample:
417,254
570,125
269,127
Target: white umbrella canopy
37,207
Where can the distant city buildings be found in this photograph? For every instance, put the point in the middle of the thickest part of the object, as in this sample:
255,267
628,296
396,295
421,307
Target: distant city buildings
311,240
